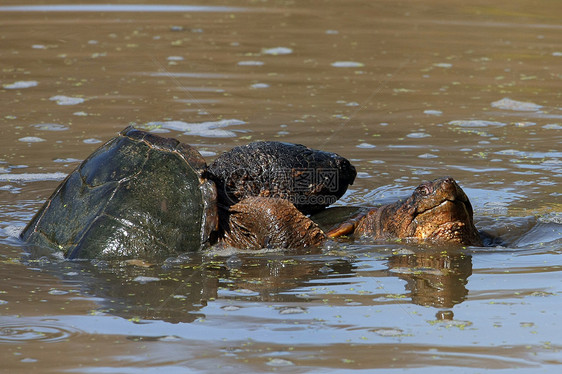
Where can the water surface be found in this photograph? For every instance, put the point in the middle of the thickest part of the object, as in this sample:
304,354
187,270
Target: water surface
407,90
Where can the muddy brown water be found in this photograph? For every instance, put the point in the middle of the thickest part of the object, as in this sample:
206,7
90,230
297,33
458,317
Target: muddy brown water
407,90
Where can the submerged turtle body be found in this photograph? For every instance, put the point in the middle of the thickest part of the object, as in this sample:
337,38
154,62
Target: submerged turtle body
137,195
308,178
438,211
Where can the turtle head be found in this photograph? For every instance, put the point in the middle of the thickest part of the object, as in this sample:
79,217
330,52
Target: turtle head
438,211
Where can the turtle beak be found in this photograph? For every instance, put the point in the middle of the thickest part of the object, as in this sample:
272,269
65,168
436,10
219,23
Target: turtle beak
455,193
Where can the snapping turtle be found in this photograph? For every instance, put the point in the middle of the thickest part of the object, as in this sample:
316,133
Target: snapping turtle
438,211
308,178
143,195
138,194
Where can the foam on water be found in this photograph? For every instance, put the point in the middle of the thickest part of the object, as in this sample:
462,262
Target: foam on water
207,153
433,112
66,100
277,51
418,135
251,63
19,85
476,123
50,127
31,139
66,160
143,279
32,177
428,155
213,129
11,231
444,65
260,85
365,145
347,64
91,141
509,104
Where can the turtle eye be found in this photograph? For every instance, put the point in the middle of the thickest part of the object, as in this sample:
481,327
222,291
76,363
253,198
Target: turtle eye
424,190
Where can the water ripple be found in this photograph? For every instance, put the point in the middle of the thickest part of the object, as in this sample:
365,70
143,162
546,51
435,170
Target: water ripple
42,331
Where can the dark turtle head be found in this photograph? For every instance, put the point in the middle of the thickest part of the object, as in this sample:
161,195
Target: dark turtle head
437,211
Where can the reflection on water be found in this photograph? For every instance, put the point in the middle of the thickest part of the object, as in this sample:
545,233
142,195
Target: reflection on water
435,279
178,289
407,90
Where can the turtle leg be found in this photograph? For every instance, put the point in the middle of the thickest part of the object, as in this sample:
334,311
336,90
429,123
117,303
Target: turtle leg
264,222
348,227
